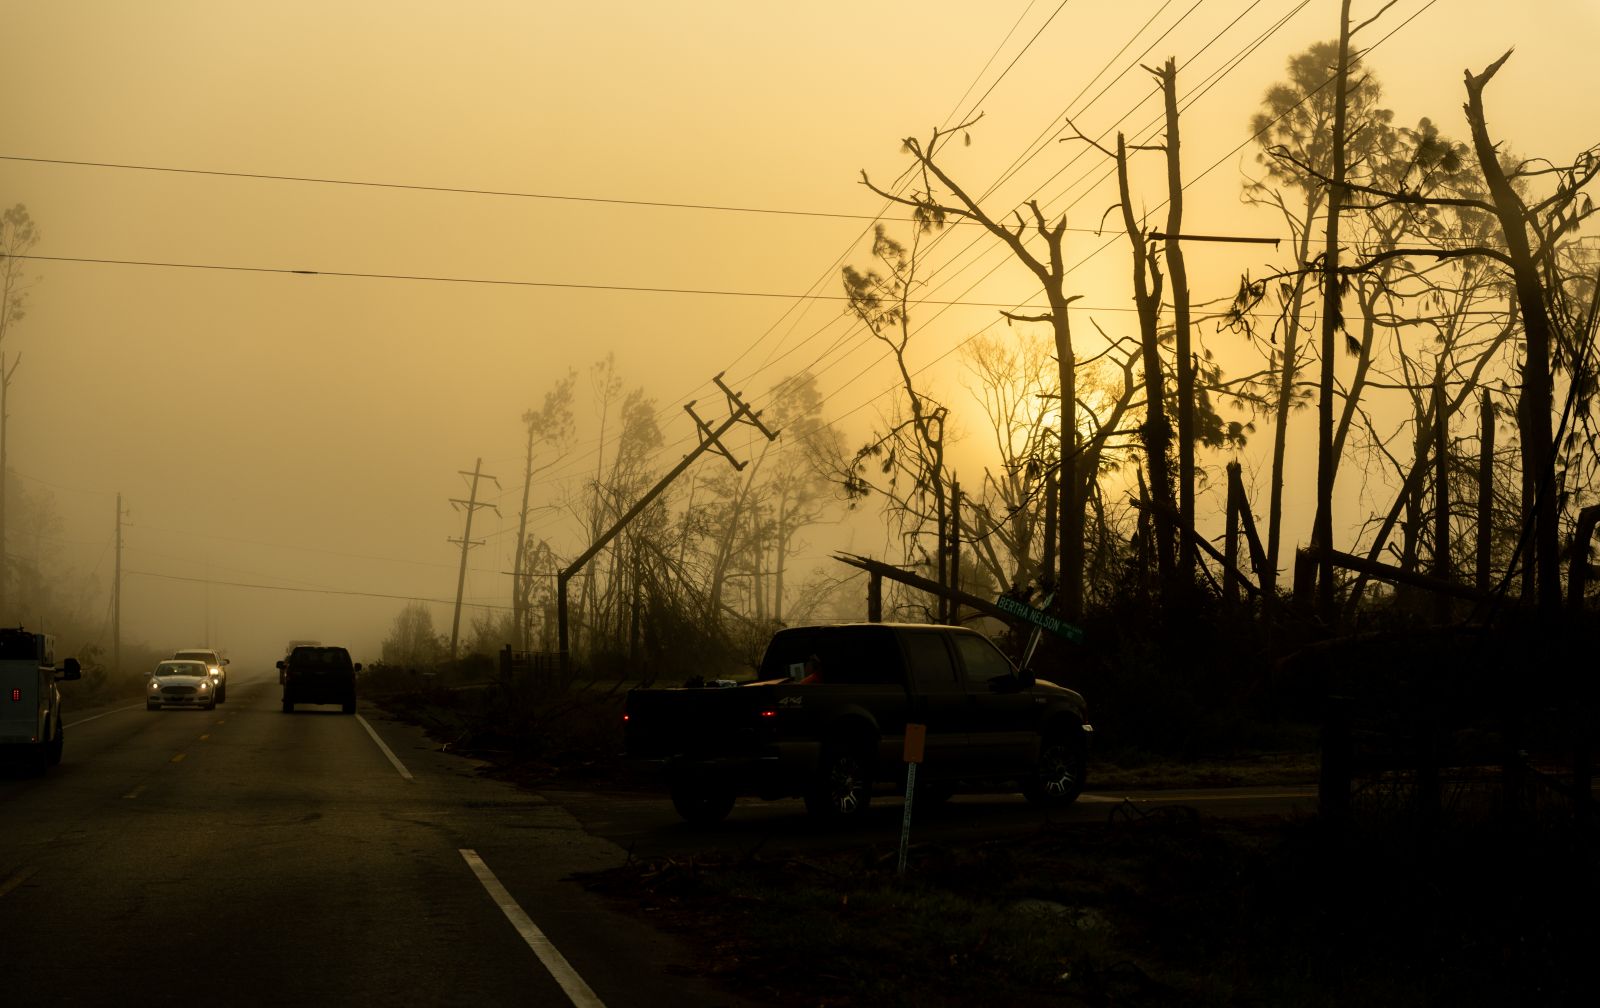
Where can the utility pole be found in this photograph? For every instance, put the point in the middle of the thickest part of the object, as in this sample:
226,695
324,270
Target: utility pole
519,582
709,441
116,603
470,505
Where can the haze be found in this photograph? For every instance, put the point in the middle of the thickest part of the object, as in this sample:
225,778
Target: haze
287,445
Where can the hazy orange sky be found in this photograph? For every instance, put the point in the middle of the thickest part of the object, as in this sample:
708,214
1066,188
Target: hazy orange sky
271,430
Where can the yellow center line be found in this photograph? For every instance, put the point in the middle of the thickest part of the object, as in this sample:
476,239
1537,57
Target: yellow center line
135,792
178,758
204,737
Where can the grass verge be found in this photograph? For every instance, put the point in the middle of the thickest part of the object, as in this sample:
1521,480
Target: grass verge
1165,909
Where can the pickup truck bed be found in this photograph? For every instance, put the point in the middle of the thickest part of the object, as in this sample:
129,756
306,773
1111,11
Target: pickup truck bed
832,741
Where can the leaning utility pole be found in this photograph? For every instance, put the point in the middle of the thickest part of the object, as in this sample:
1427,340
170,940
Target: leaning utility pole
739,412
470,505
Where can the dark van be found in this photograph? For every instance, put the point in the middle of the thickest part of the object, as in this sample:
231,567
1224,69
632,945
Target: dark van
318,674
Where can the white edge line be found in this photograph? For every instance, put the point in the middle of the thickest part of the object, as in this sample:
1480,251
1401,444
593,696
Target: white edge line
392,758
119,710
571,983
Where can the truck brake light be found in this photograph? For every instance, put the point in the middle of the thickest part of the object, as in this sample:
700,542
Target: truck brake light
769,713
16,694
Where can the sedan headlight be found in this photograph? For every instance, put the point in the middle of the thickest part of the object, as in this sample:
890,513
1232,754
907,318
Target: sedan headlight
204,685
154,685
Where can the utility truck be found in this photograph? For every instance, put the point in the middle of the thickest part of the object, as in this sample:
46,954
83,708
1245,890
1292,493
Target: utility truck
31,724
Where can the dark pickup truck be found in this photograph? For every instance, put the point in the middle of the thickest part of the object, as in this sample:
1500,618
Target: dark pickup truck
831,738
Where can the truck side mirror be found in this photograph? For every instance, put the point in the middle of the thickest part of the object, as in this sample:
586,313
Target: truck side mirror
70,669
280,666
224,661
356,667
1010,683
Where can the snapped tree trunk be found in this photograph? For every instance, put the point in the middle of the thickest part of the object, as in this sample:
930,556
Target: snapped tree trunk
1180,315
1322,530
1156,432
1538,448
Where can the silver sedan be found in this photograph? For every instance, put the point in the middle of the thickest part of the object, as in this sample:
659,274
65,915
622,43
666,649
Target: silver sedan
181,683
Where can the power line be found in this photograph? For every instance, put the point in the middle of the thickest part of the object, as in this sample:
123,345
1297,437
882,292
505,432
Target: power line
1020,53
460,190
798,299
424,278
1228,66
897,185
59,486
306,591
1004,260
990,62
273,545
457,190
838,342
452,190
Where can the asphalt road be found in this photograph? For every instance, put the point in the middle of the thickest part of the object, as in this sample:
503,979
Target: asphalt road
248,857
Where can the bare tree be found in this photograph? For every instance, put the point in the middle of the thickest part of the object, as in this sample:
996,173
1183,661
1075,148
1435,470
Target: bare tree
1541,307
912,444
413,642
796,492
1295,129
1012,385
1555,324
622,474
18,235
551,424
1048,266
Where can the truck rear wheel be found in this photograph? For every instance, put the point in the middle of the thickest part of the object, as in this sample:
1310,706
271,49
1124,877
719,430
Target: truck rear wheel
1057,779
701,803
843,786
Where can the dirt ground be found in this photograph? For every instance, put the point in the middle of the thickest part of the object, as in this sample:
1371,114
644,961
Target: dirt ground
1168,908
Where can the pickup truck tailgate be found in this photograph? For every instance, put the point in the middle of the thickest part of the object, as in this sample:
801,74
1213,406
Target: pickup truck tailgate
721,721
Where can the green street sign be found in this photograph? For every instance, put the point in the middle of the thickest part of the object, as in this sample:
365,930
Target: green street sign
1039,618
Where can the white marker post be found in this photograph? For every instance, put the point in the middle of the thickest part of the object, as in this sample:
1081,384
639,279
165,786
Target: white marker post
916,737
